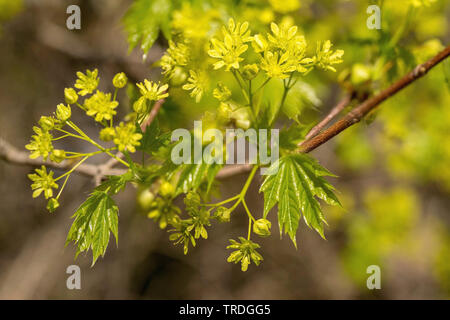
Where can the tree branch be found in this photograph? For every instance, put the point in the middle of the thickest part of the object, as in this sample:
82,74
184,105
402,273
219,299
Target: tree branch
12,155
330,116
363,109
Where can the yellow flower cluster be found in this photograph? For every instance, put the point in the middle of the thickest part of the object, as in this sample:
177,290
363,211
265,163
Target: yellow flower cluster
282,52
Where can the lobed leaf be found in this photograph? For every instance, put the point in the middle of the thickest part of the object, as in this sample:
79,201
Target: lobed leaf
295,182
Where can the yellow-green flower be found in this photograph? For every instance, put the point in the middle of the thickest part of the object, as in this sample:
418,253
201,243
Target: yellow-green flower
245,252
197,83
325,57
262,227
277,67
250,71
232,47
42,182
87,83
70,95
41,144
126,138
285,6
153,91
177,55
120,80
222,93
52,205
239,32
63,113
47,123
58,155
100,106
259,43
228,54
107,134
422,3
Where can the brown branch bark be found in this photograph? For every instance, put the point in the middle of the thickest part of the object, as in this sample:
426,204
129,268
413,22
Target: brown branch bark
359,112
11,154
330,116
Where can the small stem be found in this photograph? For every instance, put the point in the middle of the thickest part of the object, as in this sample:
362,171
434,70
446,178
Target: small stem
241,86
73,168
61,137
68,134
74,127
80,106
250,216
249,229
221,203
115,94
249,181
262,85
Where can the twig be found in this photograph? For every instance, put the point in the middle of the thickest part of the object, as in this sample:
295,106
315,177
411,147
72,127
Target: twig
359,112
11,154
330,116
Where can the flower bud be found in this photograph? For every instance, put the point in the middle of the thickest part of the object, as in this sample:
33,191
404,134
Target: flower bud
262,227
154,214
58,155
178,77
243,124
223,214
107,134
166,189
140,106
63,112
145,199
222,93
250,71
70,95
47,123
52,205
120,80
360,74
224,111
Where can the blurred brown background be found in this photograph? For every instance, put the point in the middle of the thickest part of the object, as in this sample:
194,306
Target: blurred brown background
38,59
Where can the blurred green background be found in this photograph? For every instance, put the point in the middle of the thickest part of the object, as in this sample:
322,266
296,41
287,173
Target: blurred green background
393,168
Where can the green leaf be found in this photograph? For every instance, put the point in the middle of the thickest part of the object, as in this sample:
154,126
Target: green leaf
291,137
152,139
299,97
94,220
193,175
295,182
115,184
144,20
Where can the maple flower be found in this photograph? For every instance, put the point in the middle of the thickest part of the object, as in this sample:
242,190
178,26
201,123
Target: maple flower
245,253
100,106
153,91
42,182
196,83
126,137
277,67
88,82
232,47
41,144
325,57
